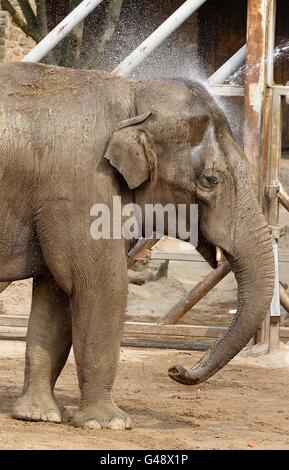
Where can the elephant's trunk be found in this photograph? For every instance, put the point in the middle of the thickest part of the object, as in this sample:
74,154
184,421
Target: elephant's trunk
254,271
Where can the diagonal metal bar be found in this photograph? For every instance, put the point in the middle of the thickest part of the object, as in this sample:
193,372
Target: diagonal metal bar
229,67
157,37
61,31
136,57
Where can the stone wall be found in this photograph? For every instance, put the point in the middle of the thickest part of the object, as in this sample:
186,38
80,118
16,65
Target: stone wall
14,44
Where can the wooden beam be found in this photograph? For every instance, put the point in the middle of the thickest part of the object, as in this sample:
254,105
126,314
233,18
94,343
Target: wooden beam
18,321
284,298
140,250
196,294
283,197
15,327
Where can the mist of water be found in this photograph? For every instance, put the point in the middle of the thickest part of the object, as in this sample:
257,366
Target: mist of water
175,58
280,52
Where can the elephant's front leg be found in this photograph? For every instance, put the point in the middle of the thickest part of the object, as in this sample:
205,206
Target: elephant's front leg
98,308
48,346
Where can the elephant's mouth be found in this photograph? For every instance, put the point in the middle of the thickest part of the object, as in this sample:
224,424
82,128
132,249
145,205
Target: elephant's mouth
207,250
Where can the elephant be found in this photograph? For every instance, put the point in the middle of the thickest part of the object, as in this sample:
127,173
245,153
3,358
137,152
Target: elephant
74,138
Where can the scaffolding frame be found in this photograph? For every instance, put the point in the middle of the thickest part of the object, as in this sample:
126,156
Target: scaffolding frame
262,147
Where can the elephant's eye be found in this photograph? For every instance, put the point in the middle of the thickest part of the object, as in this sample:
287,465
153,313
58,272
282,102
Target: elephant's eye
207,180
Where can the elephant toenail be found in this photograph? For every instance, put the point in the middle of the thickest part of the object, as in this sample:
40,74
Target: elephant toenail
92,424
117,424
54,417
128,423
35,416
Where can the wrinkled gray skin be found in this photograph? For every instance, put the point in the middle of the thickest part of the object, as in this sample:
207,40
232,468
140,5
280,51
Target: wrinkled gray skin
56,127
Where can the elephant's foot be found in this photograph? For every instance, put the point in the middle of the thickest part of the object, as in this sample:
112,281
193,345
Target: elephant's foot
37,407
104,414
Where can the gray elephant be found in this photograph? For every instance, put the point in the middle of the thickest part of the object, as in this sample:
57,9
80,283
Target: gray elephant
73,138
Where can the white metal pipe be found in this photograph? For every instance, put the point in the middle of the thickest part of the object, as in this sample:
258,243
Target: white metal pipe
271,42
275,304
61,30
229,67
157,37
287,96
226,90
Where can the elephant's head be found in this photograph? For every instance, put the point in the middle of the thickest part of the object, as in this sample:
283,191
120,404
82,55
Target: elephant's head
180,150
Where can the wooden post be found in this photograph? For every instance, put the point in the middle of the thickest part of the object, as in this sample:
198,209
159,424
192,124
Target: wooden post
258,118
255,87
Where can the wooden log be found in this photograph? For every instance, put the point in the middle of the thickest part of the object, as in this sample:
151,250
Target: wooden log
139,328
13,332
139,250
283,197
4,285
173,330
196,294
15,327
15,321
284,298
284,332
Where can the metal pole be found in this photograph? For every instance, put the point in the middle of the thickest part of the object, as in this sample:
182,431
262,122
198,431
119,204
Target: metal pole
61,30
271,156
157,37
275,305
229,67
272,209
274,157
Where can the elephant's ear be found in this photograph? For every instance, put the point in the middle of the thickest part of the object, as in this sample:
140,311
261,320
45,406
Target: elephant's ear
130,151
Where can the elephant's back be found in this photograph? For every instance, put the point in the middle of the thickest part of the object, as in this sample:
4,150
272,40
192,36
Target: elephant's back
55,122
21,80
69,110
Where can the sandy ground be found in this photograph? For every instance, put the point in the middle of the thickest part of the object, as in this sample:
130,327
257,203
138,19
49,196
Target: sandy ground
242,407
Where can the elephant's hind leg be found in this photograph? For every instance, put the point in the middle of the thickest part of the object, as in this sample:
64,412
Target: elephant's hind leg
48,346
